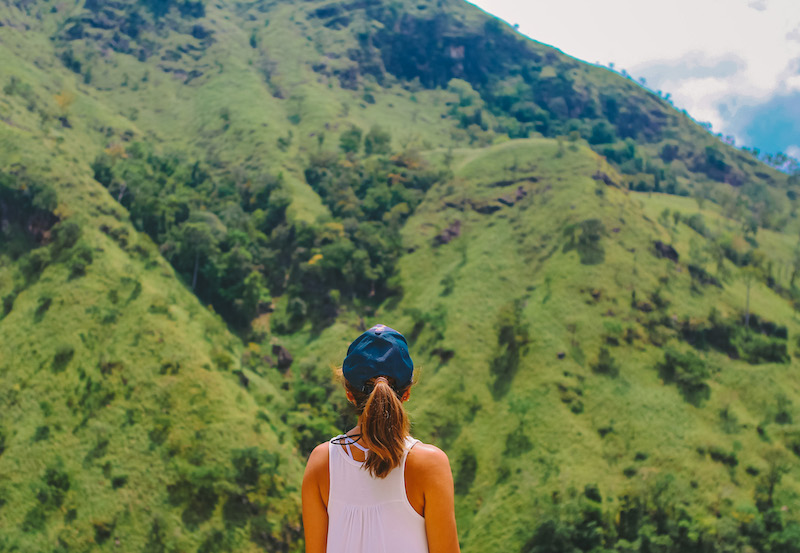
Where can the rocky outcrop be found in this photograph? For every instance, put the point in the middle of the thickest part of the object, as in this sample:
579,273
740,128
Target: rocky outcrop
448,234
665,251
602,177
284,358
487,207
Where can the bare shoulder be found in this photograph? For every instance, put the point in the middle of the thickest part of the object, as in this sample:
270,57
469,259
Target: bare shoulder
427,459
318,460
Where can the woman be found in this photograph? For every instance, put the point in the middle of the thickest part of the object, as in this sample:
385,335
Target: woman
376,489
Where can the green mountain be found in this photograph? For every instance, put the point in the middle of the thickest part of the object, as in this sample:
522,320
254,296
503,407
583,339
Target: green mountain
202,204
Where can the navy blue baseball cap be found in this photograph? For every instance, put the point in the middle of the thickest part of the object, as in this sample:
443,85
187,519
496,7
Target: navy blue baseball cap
380,351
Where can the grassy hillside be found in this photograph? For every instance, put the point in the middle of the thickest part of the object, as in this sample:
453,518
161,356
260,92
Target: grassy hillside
201,205
533,430
127,420
545,353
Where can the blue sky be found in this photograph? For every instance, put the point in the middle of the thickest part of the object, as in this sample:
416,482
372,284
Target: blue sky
733,63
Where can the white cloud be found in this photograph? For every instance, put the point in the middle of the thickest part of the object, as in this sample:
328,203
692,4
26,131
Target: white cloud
793,151
713,56
793,83
694,65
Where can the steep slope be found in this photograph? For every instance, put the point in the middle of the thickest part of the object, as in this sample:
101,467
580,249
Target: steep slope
591,386
126,421
214,83
566,321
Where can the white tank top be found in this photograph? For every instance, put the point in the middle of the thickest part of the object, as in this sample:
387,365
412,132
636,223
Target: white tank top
368,514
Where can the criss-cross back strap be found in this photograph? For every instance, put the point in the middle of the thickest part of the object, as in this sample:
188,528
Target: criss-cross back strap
358,446
347,441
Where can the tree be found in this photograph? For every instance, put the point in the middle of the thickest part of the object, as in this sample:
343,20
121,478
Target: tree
377,141
716,248
749,276
255,293
698,253
199,238
663,217
602,133
350,140
512,338
777,466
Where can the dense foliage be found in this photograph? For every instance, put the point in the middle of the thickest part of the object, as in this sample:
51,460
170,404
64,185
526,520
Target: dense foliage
228,235
655,518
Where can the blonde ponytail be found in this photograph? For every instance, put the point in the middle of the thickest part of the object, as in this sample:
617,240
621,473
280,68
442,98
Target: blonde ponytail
384,425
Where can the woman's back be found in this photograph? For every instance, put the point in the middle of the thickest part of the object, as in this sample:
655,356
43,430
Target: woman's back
368,513
395,495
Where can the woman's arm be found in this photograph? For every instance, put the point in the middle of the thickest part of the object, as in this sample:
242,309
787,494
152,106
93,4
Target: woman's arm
315,512
430,469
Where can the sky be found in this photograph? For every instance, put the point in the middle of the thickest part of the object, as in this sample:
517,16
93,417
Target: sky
732,63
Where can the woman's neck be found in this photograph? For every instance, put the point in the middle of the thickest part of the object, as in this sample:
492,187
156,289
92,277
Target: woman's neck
355,430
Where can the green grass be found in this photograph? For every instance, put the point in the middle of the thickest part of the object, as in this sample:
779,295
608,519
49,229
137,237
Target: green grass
142,358
491,269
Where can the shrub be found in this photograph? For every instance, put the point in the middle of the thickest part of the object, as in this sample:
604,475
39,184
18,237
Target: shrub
42,433
765,342
512,337
214,542
250,463
236,510
783,415
98,451
465,472
56,484
45,301
592,492
377,141
34,263
34,520
118,481
309,430
602,133
688,372
448,285
102,531
350,140
605,364
721,456
80,258
159,433
65,235
551,535
101,167
669,152
729,421
697,223
587,243
517,443
757,348
8,303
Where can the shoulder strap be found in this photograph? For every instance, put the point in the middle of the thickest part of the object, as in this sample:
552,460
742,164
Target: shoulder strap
347,441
